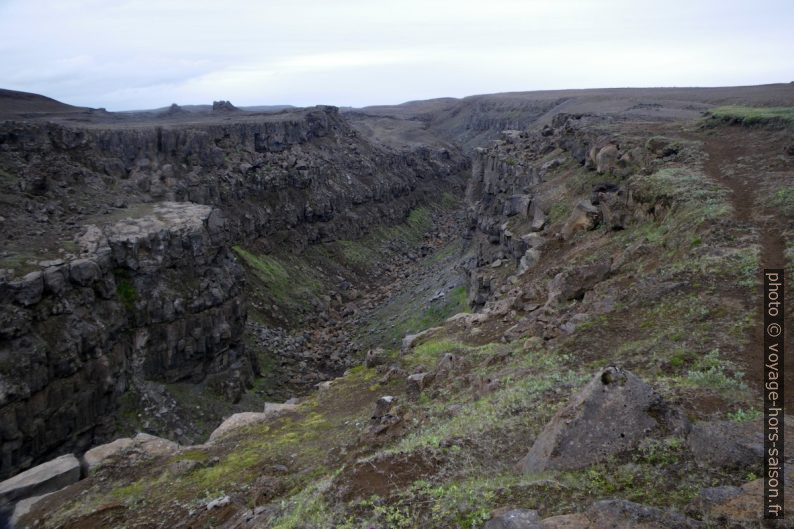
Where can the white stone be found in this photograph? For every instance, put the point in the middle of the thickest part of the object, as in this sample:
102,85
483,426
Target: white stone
97,455
47,477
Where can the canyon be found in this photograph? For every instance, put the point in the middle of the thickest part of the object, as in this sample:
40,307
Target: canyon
163,271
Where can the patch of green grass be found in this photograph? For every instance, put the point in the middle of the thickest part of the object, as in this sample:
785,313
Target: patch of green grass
20,263
466,503
558,212
595,321
270,270
192,455
783,200
132,493
667,451
429,352
742,415
711,371
362,254
641,481
288,281
127,293
307,508
516,404
654,233
450,201
684,186
412,321
357,253
754,115
681,357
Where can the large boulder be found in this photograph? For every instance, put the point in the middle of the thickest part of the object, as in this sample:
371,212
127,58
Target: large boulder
515,519
613,205
607,159
235,422
29,289
741,507
99,454
412,340
239,420
153,446
84,271
274,409
528,261
417,383
585,216
516,205
47,477
22,507
727,443
572,284
611,414
623,514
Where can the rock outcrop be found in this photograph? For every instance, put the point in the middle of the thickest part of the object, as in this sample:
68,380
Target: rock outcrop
154,297
515,519
47,477
611,414
514,191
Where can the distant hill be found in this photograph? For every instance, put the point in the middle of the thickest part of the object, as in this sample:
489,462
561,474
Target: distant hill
14,102
204,109
474,120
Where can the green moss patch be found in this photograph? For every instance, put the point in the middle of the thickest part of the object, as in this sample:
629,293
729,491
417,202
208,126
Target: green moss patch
754,115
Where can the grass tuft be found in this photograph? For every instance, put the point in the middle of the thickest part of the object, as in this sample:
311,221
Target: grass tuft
754,115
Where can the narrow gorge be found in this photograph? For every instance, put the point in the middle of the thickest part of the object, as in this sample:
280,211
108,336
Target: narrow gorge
531,307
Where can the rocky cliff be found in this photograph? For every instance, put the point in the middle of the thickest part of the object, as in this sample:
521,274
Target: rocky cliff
512,196
116,261
155,297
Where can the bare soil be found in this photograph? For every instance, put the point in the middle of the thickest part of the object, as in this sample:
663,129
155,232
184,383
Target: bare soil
729,150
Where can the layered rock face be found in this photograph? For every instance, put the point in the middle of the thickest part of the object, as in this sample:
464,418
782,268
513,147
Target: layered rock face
509,206
304,174
117,269
156,297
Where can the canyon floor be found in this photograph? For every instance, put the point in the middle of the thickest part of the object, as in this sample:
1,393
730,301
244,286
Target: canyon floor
535,310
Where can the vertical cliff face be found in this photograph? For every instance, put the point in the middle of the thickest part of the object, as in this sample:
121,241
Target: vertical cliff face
155,297
514,193
307,170
116,266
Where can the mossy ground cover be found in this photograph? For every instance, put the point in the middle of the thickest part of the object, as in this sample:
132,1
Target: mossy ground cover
754,115
283,283
364,254
406,313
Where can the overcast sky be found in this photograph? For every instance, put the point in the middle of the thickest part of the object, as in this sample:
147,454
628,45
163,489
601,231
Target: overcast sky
136,54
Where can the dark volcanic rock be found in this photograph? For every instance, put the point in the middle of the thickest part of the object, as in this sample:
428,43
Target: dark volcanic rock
152,293
727,443
160,298
623,514
515,519
47,477
611,414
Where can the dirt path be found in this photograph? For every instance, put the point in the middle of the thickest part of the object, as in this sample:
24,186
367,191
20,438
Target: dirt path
725,165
